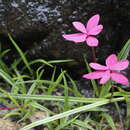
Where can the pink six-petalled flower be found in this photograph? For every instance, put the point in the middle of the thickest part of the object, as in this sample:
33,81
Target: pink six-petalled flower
104,73
87,33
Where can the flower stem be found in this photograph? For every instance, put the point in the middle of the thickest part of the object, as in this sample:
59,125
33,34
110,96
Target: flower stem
93,54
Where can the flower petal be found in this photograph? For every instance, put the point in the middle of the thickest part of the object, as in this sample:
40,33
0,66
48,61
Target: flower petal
94,75
80,27
112,59
96,30
105,77
92,22
119,78
92,41
77,37
120,65
97,66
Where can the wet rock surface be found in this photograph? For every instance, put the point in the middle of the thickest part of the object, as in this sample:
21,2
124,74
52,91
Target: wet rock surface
37,27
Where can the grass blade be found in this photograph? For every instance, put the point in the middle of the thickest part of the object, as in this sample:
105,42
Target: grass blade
95,87
70,112
20,53
109,120
124,51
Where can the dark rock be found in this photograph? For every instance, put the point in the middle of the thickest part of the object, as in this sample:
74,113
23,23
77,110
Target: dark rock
37,26
23,21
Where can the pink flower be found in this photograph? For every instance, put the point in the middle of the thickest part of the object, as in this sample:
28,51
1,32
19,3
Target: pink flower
87,33
104,73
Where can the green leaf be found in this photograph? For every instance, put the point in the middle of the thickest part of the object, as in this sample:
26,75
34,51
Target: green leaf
105,89
21,54
41,107
74,87
60,61
128,106
95,87
124,51
40,61
66,97
4,53
83,124
64,114
55,84
109,120
7,77
65,124
127,122
53,98
71,112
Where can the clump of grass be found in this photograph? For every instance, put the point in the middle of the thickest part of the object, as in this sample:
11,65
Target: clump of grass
32,93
